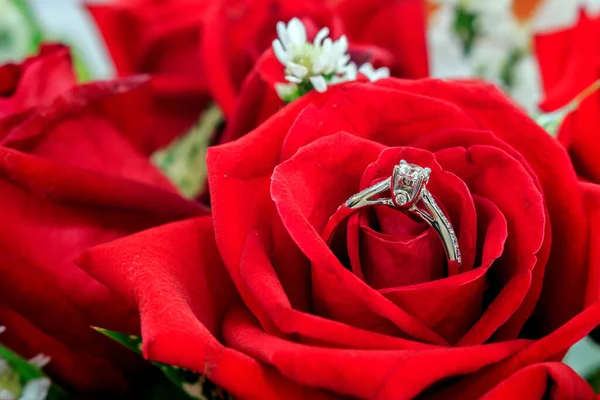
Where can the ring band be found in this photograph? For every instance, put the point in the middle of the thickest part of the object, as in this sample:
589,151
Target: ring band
408,186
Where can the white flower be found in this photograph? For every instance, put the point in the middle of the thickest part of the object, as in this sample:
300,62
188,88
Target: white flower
36,389
319,64
496,53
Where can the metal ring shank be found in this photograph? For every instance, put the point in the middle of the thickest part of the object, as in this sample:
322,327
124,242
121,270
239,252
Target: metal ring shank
430,212
435,217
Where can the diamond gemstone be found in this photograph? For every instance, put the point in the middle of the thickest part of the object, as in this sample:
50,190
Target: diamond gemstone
406,180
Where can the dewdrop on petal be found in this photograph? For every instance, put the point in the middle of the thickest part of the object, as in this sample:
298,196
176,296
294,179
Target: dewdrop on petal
317,64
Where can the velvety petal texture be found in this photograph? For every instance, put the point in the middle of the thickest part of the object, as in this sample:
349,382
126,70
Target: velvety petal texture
71,178
257,300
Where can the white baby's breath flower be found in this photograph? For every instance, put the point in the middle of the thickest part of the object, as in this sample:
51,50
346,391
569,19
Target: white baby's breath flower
487,42
374,74
316,65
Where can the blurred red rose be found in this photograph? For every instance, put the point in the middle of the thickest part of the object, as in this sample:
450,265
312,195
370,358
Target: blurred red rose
257,301
160,38
569,62
36,81
199,48
70,178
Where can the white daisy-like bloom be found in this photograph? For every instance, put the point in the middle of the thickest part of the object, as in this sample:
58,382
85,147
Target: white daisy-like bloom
499,53
15,33
11,387
319,64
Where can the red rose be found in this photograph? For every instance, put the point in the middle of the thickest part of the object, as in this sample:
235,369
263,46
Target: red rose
569,61
386,33
266,309
542,381
241,30
35,81
69,180
160,38
167,39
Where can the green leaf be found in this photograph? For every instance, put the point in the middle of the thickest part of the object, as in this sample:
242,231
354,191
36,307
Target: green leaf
190,385
507,75
552,121
594,380
184,160
465,26
27,372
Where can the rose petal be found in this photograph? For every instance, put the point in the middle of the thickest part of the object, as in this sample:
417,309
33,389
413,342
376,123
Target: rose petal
543,381
338,292
182,292
260,278
351,107
377,23
381,374
547,348
551,164
94,368
36,81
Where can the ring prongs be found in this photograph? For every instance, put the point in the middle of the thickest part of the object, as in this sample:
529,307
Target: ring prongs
408,181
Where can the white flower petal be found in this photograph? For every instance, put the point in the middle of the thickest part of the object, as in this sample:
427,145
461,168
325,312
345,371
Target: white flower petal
293,79
36,389
282,33
343,61
381,73
319,64
296,69
351,72
285,90
322,34
296,31
327,45
374,74
367,70
342,44
319,83
280,53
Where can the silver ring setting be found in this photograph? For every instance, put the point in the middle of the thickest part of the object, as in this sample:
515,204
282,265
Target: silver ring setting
408,189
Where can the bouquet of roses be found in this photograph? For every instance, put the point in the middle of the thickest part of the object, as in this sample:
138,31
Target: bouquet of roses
272,200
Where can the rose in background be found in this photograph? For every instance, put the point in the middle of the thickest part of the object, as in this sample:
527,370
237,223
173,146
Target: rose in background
71,178
257,301
569,61
160,38
196,50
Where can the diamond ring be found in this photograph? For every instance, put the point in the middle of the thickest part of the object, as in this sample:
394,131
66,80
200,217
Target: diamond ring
408,188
